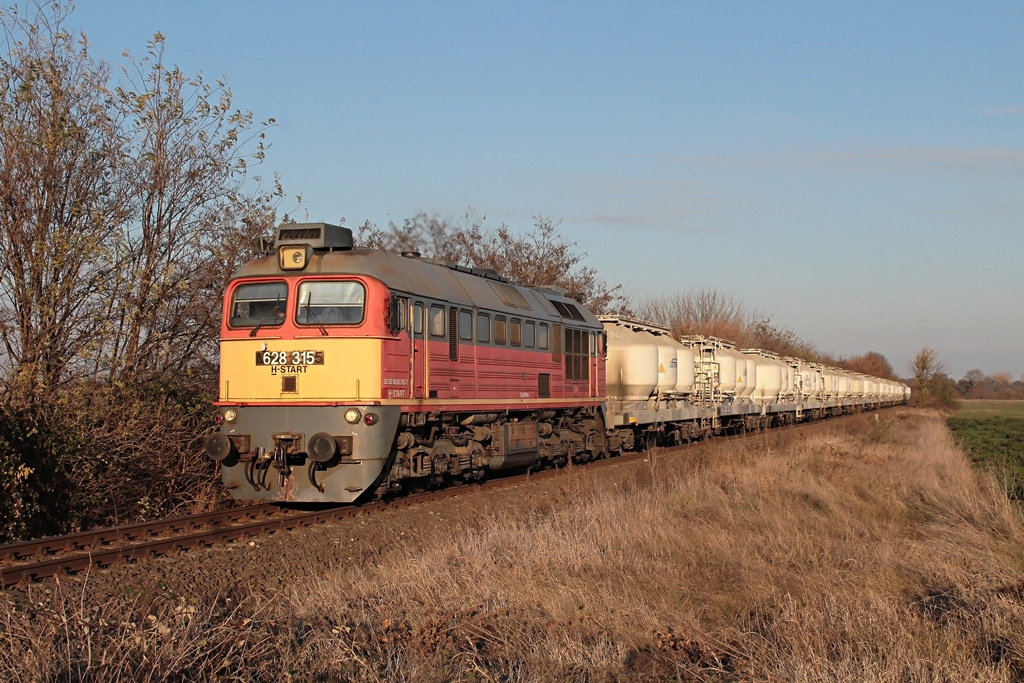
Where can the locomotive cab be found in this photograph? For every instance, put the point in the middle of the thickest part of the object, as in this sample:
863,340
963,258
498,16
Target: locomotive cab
301,370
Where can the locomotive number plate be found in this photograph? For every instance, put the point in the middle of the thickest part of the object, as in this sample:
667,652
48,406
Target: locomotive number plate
279,358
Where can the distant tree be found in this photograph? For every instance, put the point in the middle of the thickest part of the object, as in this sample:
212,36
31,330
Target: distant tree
538,256
781,340
977,385
711,312
929,382
925,365
971,380
433,236
702,311
871,363
974,376
943,391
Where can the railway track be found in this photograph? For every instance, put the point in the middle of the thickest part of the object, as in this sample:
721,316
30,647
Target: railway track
43,558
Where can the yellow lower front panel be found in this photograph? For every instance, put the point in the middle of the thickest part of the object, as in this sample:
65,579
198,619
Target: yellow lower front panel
283,370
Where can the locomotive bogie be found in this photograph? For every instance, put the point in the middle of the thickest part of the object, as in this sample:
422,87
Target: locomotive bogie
435,448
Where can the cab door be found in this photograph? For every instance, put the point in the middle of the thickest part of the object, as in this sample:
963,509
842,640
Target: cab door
419,351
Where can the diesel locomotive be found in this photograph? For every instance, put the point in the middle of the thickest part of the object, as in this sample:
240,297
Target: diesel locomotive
349,372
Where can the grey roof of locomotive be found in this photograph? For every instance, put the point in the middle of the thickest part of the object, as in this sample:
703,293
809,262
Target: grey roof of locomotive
433,280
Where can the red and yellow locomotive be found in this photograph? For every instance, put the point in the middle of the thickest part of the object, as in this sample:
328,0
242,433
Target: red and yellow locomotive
346,371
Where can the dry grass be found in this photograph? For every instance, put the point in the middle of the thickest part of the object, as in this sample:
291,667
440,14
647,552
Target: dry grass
872,555
868,552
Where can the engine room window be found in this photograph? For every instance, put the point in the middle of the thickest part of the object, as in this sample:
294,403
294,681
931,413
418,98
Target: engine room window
261,303
466,325
438,322
576,354
483,327
542,336
516,332
500,330
330,303
529,334
417,319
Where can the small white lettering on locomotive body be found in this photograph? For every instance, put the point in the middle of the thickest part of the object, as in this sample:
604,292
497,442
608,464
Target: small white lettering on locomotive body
395,382
396,393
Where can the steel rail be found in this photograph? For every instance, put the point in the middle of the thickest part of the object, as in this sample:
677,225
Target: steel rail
100,537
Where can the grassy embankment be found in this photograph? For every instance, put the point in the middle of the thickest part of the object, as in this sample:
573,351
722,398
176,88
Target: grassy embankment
872,551
992,434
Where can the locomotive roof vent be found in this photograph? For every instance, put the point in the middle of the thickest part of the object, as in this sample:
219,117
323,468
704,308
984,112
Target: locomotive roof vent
319,236
487,273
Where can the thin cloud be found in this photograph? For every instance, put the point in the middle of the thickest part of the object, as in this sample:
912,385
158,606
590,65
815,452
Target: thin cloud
618,219
660,203
1013,112
914,161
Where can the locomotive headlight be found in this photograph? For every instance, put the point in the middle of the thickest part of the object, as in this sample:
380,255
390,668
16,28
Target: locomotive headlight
230,415
352,415
293,257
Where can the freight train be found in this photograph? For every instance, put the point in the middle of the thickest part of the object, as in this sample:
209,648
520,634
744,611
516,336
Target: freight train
347,373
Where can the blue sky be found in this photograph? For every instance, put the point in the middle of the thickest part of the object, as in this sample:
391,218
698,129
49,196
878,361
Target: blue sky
855,170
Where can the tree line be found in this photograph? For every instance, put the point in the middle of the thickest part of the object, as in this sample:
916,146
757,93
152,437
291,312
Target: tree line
975,384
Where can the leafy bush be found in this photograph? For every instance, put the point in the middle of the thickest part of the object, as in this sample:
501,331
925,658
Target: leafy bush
31,454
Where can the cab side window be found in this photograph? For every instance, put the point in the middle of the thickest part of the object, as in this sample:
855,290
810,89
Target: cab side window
438,322
417,319
529,334
465,325
483,327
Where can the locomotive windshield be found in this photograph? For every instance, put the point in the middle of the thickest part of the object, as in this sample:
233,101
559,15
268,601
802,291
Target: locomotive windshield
330,303
259,304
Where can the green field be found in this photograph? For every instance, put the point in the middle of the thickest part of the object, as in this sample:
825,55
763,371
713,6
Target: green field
986,408
992,433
